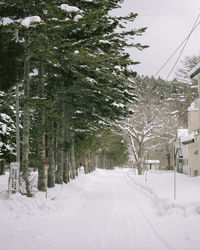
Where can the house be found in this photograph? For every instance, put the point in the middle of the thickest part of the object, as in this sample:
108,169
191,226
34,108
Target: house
181,151
152,164
193,138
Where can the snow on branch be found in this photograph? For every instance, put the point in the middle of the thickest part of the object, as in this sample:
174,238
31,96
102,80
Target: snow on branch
29,20
68,8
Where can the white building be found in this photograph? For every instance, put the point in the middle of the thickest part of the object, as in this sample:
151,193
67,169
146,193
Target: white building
152,164
181,151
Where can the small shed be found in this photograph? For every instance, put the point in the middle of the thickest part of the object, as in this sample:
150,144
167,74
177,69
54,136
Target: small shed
152,164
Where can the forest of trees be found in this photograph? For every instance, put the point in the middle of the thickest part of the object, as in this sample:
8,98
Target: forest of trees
73,71
77,90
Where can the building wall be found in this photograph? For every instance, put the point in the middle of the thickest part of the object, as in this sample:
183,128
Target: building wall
192,120
194,148
194,157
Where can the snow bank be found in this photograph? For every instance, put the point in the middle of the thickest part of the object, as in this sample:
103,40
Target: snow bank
61,198
160,190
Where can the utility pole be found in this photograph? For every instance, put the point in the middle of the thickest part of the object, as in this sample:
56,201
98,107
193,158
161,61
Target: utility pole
174,173
17,114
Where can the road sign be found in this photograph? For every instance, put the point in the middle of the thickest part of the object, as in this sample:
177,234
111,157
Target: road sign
14,178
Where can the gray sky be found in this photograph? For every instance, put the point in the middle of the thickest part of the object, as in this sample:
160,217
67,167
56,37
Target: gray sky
169,22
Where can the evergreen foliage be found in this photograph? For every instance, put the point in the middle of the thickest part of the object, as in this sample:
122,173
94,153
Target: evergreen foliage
76,73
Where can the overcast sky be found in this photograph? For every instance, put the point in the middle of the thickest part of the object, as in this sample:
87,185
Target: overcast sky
169,22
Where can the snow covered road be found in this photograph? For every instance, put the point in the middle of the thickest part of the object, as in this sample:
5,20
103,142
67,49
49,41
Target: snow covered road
106,210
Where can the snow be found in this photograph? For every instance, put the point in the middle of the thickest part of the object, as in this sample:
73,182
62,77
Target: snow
188,137
107,210
28,20
192,107
6,21
194,71
34,72
119,105
89,79
152,161
104,41
77,18
68,8
182,132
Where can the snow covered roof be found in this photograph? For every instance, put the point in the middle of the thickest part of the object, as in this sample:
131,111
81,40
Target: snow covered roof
152,161
182,132
188,139
195,71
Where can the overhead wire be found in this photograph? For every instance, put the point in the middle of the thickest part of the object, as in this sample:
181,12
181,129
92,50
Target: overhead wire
195,25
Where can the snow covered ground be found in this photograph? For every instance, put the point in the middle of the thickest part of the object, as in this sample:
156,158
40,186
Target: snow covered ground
105,210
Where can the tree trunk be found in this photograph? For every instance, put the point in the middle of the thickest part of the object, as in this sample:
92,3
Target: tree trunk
73,163
51,169
139,162
139,166
42,168
86,170
2,167
26,125
66,167
168,161
60,154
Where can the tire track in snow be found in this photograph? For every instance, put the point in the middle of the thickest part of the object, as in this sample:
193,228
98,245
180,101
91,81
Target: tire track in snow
145,217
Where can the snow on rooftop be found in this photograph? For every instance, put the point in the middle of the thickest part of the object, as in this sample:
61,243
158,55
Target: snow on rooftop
31,19
195,71
68,8
187,138
152,161
182,132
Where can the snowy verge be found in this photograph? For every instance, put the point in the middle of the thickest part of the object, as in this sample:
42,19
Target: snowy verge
59,199
159,189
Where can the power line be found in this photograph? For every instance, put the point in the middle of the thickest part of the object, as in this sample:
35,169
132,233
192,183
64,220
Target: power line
185,40
174,52
193,28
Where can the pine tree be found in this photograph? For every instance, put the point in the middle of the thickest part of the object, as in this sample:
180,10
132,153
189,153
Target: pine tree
83,76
